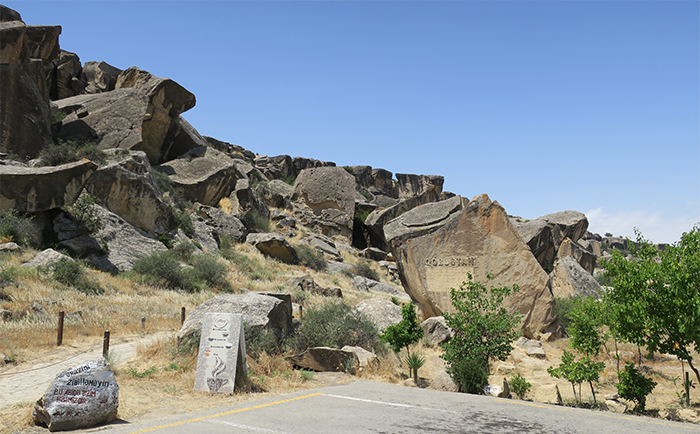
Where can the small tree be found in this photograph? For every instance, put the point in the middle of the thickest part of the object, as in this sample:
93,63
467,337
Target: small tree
577,372
407,332
483,328
655,301
635,386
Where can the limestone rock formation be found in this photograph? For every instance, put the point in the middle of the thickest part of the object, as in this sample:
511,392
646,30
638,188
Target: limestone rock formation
24,106
325,200
585,258
126,186
421,220
125,243
28,189
260,310
205,175
545,234
99,76
477,239
569,279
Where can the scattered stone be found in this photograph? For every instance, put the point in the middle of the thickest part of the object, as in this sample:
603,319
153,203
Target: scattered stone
367,359
273,245
505,390
306,283
323,244
373,253
222,224
615,406
505,369
536,352
548,394
435,330
364,284
46,259
83,396
5,314
444,382
10,247
326,359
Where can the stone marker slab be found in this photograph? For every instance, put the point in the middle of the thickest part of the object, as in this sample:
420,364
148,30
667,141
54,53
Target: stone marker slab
221,352
83,396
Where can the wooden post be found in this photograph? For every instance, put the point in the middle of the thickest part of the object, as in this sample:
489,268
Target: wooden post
182,316
59,338
301,312
105,344
143,324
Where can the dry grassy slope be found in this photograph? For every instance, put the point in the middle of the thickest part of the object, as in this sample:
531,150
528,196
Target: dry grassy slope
31,339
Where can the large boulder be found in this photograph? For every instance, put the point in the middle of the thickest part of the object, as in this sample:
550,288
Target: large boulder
47,258
273,245
244,199
126,186
28,189
99,76
125,243
421,220
260,311
477,240
381,312
545,234
205,175
364,284
409,185
585,258
63,81
325,200
82,396
326,359
222,225
435,330
569,280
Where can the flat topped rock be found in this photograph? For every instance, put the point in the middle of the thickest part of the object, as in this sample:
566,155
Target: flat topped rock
431,213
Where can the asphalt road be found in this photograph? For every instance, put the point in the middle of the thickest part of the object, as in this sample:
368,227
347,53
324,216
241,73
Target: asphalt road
368,407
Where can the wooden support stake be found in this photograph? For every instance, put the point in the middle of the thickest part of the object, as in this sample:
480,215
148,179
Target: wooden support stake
143,324
105,344
182,316
59,337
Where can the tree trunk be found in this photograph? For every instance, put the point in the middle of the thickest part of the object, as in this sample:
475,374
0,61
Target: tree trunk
697,374
593,392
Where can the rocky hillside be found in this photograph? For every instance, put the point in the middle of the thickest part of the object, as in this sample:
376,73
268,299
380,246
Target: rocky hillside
103,165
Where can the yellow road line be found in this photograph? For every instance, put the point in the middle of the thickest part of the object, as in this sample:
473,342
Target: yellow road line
240,410
601,413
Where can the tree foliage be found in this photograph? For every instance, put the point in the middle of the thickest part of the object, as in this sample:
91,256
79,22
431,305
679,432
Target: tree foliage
655,301
635,386
577,372
483,328
403,334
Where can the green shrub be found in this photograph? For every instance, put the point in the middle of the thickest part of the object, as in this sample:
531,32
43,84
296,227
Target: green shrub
246,264
183,220
136,374
564,307
472,375
184,250
163,268
288,179
68,151
335,325
84,212
255,222
365,270
311,258
207,268
520,385
71,274
635,386
260,340
15,227
414,362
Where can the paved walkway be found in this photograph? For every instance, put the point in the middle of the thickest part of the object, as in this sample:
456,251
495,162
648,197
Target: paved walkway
32,382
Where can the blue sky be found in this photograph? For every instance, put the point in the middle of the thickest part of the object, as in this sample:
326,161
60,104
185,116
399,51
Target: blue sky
546,106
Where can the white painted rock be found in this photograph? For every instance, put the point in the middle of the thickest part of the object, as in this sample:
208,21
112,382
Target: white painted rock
83,396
